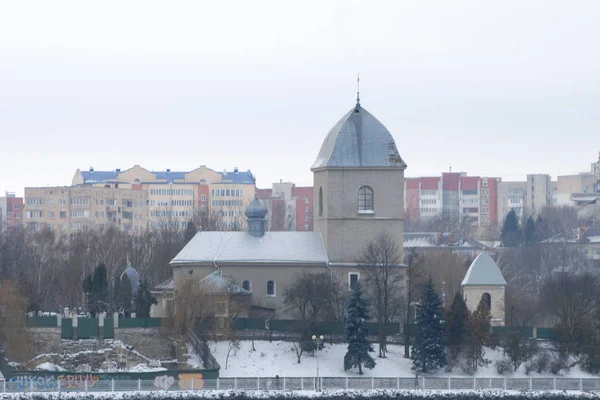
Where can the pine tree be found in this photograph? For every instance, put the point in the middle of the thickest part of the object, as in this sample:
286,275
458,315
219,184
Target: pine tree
511,232
125,296
99,290
456,319
96,288
529,231
429,352
478,335
190,232
116,293
515,348
87,289
144,300
357,333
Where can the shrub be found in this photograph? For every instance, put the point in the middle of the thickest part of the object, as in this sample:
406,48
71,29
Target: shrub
539,363
504,366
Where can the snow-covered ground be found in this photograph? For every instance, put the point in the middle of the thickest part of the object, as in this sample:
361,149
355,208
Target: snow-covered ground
279,358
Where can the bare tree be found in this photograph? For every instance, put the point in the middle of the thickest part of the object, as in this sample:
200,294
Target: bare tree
385,281
572,298
14,336
446,268
557,222
309,300
413,261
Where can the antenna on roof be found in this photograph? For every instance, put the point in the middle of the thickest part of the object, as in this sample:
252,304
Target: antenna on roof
357,90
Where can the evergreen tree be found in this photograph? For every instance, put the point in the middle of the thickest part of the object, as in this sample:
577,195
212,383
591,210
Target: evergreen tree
96,288
190,232
87,289
99,290
478,335
456,319
116,294
357,333
511,232
144,300
429,352
529,232
125,296
515,348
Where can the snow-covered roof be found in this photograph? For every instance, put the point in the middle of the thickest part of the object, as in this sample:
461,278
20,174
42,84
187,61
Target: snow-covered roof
134,278
165,286
216,283
484,271
241,247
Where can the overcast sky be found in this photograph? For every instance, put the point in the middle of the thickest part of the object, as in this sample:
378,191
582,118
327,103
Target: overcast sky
492,89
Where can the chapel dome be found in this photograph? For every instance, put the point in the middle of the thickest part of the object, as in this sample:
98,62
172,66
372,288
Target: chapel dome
359,140
133,276
255,209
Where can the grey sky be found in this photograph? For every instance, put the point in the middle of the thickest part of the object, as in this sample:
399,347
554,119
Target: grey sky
500,88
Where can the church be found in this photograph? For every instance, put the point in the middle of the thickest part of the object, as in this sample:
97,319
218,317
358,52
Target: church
358,188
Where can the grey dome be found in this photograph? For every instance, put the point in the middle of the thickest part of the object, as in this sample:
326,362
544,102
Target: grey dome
483,272
133,276
255,209
359,140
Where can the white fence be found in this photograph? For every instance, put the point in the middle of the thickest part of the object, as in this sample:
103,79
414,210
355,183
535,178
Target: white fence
164,383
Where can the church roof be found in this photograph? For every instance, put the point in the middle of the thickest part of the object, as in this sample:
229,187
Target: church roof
255,209
241,247
134,277
359,140
483,272
216,283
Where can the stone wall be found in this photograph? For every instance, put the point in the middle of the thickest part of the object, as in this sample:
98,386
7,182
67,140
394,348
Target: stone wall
46,340
151,342
472,296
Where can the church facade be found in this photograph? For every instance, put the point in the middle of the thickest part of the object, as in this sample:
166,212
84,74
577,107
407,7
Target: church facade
358,189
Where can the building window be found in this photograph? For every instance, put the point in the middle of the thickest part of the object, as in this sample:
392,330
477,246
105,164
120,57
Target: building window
271,288
203,197
488,300
353,279
365,199
320,201
50,214
247,286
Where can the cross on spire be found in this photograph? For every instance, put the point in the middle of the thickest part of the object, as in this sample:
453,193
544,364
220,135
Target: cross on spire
357,90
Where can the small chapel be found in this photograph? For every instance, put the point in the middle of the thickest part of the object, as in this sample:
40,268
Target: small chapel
484,280
358,194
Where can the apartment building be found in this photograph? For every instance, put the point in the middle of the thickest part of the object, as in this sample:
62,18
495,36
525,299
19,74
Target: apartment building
69,209
175,196
527,197
11,210
290,206
453,196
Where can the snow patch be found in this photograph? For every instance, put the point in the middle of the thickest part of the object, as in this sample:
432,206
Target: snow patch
279,358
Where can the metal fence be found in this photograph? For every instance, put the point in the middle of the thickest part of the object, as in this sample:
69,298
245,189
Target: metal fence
165,383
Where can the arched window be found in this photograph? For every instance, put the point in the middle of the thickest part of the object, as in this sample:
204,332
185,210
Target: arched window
247,286
320,201
365,199
271,288
488,300
136,181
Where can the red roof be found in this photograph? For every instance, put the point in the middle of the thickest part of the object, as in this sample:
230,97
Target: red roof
430,183
450,180
412,183
469,182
